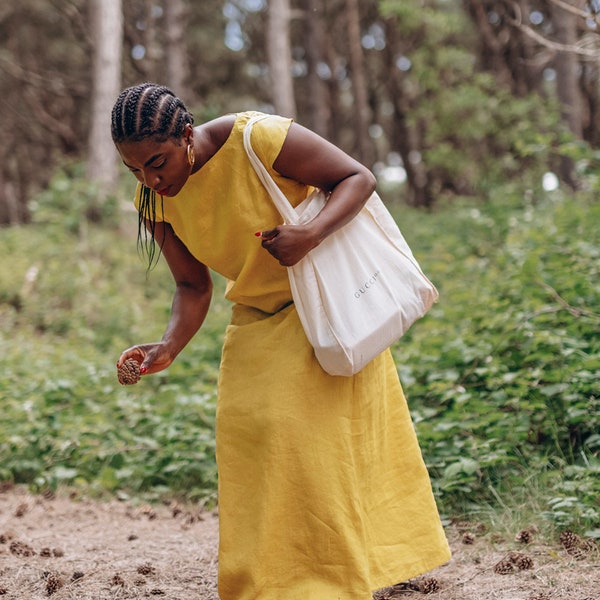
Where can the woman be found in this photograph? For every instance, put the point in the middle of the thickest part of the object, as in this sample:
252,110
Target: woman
323,493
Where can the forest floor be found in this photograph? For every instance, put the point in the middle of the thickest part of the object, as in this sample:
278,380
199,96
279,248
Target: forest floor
69,547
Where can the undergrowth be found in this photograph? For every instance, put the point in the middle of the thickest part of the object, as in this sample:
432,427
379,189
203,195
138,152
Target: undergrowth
501,376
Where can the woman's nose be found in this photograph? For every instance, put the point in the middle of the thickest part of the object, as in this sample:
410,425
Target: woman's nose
151,180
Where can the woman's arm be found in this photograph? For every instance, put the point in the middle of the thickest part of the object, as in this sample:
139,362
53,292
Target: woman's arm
191,300
308,158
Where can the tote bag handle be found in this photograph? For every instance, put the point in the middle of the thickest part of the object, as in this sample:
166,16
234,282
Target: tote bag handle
286,210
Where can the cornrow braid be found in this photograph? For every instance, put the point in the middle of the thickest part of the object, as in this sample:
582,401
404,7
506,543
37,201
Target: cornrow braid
146,111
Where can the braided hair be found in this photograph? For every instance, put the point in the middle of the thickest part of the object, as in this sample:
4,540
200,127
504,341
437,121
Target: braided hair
146,111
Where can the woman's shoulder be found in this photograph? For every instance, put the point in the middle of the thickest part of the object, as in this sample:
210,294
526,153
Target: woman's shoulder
220,128
215,133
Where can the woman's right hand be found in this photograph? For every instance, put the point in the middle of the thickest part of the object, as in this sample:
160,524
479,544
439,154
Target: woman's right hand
152,358
193,290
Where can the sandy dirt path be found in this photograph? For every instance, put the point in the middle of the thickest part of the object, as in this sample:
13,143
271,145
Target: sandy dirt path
80,549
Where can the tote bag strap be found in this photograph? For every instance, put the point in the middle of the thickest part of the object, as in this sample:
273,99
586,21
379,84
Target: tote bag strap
286,210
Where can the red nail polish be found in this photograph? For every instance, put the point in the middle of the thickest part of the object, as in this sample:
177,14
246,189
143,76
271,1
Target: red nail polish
143,370
258,233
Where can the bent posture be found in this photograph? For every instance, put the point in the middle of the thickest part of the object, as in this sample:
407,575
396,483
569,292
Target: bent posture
323,493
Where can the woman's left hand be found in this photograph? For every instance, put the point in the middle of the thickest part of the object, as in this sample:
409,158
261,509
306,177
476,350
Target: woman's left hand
288,243
307,158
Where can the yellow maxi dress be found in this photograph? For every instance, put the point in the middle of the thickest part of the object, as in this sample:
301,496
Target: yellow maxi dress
323,493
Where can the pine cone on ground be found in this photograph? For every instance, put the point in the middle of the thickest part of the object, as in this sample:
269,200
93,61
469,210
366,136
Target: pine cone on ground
468,538
6,537
129,372
525,536
569,540
504,567
53,583
589,545
578,553
146,569
429,585
575,546
21,549
398,590
522,561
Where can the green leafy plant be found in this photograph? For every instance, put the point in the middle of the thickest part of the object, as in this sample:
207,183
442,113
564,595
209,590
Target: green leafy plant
501,375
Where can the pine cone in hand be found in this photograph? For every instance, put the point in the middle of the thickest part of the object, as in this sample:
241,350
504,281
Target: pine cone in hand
129,372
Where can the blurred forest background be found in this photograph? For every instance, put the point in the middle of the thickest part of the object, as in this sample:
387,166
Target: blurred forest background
481,119
459,94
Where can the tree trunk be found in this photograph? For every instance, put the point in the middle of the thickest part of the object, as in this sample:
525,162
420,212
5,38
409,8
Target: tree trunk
512,56
177,65
107,27
359,87
12,211
567,69
491,51
403,138
336,124
318,104
567,84
279,57
591,99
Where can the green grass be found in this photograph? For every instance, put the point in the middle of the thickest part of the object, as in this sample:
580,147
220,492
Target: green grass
501,376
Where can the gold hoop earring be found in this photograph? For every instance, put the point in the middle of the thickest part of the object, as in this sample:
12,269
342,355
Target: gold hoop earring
191,158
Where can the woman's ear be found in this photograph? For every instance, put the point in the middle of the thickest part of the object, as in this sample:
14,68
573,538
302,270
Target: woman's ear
188,134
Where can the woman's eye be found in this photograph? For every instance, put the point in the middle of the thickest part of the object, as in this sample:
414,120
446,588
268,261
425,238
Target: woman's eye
159,164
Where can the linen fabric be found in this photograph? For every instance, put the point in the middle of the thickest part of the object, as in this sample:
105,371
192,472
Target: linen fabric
323,492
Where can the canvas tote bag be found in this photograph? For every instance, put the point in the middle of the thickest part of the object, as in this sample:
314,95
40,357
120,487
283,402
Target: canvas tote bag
358,291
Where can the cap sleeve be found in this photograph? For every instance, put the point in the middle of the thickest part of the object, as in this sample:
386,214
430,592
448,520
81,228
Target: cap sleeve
268,136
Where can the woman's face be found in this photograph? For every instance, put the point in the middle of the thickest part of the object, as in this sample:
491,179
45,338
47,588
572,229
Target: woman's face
161,166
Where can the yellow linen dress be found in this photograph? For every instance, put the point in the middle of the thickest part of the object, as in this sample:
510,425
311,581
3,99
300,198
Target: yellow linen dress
323,493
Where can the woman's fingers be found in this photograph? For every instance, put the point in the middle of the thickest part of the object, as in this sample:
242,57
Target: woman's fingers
287,243
134,352
151,357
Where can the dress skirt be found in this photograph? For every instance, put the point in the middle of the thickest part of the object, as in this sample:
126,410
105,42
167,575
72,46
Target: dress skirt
323,493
